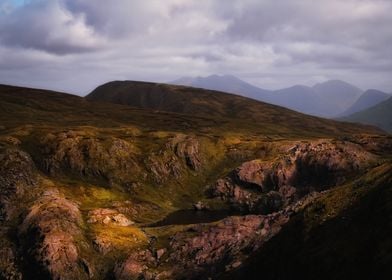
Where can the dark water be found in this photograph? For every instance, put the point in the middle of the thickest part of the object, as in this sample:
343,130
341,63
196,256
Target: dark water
186,217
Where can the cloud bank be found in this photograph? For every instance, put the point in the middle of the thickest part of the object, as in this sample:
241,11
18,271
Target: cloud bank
74,45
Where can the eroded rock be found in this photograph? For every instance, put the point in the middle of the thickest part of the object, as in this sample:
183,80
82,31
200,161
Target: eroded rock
112,159
266,186
51,237
17,175
108,216
172,161
187,148
135,266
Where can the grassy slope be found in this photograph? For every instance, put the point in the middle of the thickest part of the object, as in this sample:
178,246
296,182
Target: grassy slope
379,115
242,112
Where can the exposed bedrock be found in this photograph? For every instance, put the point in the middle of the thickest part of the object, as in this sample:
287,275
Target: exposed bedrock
179,154
118,161
52,239
203,250
207,250
266,186
17,175
111,159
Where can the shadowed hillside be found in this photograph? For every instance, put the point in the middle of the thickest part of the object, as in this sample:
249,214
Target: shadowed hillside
379,115
207,103
368,99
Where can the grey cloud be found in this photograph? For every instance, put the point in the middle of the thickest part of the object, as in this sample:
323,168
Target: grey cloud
47,26
270,43
359,24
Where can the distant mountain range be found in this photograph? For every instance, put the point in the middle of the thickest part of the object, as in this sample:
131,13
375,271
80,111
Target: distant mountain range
379,115
368,99
328,99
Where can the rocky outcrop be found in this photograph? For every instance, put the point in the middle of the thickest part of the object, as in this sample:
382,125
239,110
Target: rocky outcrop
136,266
111,159
178,155
51,237
163,166
187,148
117,161
216,248
200,206
266,186
203,250
108,216
17,175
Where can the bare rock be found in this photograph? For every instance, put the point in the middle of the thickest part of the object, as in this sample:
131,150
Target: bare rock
160,253
50,234
267,186
188,149
17,175
135,266
108,216
112,159
200,205
164,165
209,247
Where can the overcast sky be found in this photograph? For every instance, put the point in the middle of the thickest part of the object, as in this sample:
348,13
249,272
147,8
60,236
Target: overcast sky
75,45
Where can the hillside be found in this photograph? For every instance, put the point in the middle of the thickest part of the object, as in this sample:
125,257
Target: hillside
207,103
379,115
368,99
333,246
225,83
326,99
183,184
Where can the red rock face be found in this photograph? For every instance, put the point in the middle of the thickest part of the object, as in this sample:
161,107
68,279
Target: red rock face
53,225
211,249
135,266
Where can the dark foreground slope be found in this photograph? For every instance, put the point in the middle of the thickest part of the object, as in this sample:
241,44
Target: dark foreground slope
85,186
343,235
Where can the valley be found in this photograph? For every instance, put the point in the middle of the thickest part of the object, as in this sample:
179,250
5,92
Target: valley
153,181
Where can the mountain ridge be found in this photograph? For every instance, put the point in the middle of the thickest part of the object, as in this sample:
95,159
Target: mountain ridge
369,98
326,99
379,115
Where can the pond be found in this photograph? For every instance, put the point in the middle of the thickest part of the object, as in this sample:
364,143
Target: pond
190,216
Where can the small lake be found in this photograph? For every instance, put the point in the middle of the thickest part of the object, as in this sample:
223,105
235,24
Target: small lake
190,216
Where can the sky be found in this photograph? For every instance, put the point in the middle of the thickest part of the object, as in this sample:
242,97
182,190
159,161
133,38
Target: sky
76,45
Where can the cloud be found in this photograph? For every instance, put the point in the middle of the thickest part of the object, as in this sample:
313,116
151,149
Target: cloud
48,26
268,42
